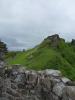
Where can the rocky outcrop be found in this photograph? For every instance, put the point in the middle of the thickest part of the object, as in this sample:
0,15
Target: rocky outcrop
53,40
18,83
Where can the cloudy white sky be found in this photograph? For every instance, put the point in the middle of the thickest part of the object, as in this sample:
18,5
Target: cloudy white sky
25,23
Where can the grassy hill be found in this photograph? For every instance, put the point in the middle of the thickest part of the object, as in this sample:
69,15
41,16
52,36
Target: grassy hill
52,53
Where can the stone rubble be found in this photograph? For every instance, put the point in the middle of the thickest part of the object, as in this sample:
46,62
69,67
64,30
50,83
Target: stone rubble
18,83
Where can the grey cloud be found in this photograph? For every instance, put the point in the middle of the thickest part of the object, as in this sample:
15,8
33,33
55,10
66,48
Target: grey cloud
25,23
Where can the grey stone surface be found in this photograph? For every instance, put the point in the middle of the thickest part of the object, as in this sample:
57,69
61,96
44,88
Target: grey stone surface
52,72
58,89
69,93
65,80
20,84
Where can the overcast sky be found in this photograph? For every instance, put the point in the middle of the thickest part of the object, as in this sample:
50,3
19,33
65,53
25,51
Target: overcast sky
25,23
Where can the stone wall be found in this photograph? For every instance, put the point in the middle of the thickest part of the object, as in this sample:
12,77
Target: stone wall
17,83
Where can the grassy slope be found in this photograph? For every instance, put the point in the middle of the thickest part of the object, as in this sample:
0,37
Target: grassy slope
44,56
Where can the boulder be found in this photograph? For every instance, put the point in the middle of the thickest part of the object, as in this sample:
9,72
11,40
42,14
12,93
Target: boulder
51,72
69,93
65,80
58,89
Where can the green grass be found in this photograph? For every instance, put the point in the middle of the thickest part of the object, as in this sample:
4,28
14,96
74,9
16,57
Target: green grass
45,57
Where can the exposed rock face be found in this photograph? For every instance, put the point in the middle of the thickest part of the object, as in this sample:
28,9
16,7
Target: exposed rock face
54,40
54,37
21,84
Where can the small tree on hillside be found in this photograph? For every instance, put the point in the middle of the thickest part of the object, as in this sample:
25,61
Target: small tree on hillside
3,49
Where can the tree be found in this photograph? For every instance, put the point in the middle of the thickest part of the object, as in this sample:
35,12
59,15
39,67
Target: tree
3,49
